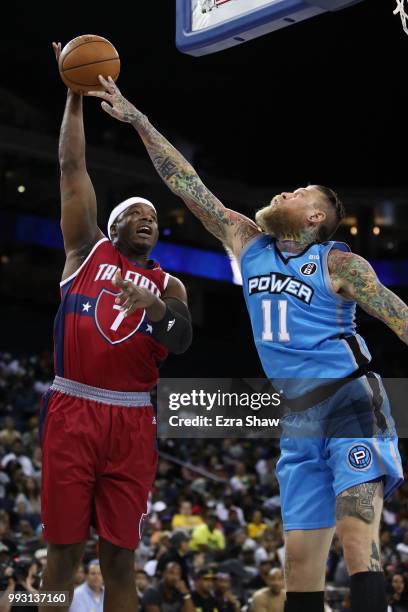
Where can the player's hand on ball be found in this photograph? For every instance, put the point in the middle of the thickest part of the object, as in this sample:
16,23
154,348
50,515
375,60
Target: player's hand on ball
114,103
57,50
132,297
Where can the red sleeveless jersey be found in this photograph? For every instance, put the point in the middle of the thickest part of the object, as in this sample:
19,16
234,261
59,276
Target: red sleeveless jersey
94,343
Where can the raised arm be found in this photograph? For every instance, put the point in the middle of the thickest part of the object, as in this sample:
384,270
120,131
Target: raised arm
354,278
78,201
232,228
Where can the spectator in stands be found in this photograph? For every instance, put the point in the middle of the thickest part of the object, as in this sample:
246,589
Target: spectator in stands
225,505
399,597
80,575
256,527
271,597
388,553
37,462
207,537
203,598
254,490
242,481
232,523
29,498
9,434
142,582
260,581
179,550
17,454
89,595
170,594
225,599
197,562
41,556
402,548
185,519
27,536
22,574
6,537
268,549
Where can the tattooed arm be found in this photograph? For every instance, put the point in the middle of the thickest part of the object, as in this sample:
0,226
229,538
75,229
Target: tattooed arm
354,278
233,229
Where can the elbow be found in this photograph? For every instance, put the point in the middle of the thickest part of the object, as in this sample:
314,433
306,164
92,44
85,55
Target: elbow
184,342
175,330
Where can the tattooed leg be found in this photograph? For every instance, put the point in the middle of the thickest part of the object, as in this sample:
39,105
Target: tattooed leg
358,514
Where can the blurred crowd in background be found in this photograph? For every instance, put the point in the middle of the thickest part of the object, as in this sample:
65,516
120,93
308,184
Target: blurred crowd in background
212,539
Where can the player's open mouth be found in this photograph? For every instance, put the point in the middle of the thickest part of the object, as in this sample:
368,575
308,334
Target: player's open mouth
144,230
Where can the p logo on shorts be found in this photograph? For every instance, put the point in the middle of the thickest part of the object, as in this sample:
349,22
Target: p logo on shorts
360,457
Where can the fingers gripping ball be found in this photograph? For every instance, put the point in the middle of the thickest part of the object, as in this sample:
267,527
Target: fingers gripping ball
84,58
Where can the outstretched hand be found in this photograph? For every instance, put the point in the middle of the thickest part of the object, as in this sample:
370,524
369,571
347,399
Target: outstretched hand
114,103
131,297
57,50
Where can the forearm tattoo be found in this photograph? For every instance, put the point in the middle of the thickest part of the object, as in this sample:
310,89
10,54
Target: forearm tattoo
358,502
228,226
359,282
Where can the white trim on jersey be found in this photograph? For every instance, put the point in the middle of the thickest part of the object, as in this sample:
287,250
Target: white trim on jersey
378,454
247,246
66,280
396,460
363,350
353,357
166,281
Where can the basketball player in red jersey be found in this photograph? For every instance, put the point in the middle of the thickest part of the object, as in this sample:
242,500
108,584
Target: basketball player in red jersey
120,316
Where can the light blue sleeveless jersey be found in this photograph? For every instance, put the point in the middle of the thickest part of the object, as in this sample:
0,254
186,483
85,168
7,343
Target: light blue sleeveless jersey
302,329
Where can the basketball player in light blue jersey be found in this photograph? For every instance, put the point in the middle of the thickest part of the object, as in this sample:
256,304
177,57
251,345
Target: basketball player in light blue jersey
339,453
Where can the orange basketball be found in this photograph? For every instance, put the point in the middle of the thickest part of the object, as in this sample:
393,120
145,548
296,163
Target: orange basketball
83,58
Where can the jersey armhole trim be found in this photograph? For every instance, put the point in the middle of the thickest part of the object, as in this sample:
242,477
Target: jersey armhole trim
248,245
72,276
327,279
166,281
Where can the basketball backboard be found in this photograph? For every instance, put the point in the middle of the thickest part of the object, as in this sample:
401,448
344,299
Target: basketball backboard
207,26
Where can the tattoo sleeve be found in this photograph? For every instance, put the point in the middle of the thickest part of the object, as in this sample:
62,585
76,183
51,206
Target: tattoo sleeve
232,228
358,281
357,501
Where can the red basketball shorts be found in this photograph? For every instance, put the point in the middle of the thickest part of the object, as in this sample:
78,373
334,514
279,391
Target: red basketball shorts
99,463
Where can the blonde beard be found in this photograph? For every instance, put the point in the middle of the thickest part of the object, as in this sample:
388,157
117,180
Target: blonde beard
275,221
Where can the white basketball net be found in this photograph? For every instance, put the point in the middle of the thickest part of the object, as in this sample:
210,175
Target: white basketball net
403,14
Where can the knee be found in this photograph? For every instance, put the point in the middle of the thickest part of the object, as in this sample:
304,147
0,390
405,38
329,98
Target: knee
300,571
356,551
117,564
62,561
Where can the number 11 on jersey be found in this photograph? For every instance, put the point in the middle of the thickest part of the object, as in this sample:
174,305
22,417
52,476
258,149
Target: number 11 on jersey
267,334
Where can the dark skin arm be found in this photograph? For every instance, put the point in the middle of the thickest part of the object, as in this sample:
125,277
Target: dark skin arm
78,200
132,297
354,278
188,605
232,228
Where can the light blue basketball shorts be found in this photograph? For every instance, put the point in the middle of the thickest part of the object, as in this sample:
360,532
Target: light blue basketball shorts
346,440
